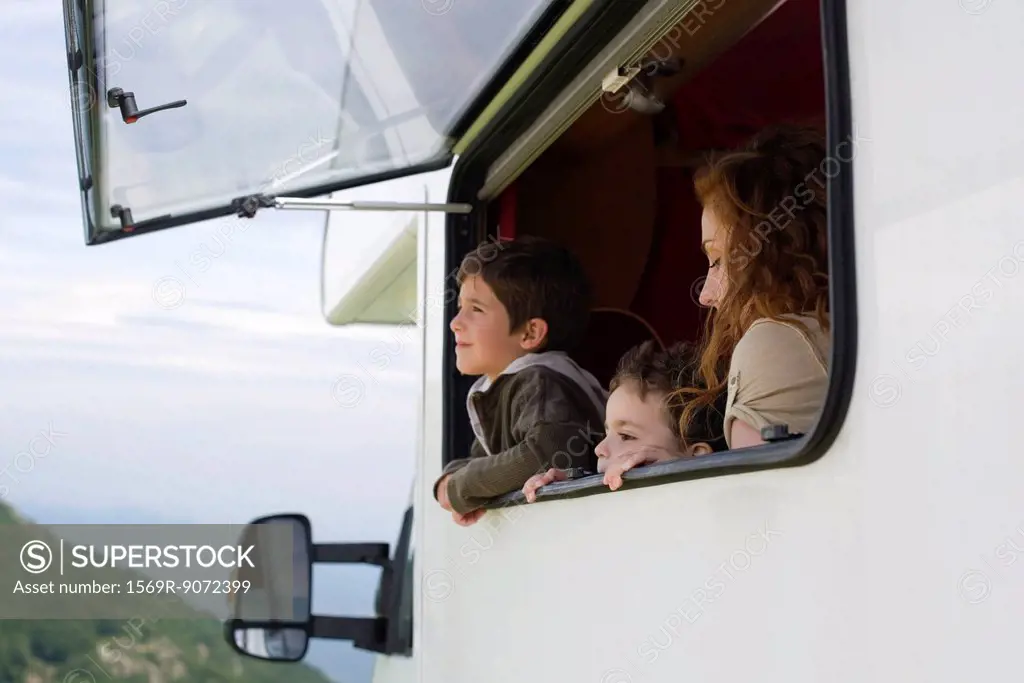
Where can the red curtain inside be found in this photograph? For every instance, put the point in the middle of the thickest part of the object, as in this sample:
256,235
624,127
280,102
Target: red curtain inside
775,74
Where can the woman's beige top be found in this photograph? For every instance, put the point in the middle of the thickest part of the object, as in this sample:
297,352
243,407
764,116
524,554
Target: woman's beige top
778,375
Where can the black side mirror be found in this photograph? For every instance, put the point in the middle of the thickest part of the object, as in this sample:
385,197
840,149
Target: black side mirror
271,616
271,612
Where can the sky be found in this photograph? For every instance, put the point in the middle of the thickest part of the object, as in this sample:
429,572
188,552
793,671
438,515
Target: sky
145,389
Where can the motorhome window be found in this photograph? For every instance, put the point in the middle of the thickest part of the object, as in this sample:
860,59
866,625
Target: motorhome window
617,187
281,95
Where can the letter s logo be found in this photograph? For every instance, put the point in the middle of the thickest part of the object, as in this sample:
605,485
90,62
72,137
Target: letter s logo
36,557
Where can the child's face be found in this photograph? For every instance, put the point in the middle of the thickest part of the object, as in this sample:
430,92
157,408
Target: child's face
483,343
632,423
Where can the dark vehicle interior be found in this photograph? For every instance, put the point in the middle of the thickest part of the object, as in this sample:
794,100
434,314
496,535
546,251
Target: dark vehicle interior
621,173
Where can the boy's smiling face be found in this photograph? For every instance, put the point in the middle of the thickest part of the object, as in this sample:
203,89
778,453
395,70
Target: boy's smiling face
484,345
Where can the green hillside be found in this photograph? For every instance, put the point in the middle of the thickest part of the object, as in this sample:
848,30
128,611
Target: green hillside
184,646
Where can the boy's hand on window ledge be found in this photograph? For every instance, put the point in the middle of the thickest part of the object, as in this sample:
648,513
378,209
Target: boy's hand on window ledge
442,493
470,518
538,480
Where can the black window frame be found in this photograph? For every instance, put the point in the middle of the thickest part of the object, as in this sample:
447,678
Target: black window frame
468,176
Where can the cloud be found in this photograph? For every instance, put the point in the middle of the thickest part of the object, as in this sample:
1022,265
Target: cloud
28,14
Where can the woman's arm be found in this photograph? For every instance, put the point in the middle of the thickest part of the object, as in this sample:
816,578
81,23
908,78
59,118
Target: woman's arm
777,375
742,435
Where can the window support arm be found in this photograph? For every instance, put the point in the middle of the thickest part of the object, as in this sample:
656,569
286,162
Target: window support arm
247,207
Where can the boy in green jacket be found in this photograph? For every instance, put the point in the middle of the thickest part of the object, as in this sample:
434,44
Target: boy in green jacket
522,306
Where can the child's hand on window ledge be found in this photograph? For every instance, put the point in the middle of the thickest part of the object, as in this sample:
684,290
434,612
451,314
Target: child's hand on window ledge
470,518
644,455
442,493
538,480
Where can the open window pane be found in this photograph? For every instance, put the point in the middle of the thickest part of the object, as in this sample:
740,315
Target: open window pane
297,97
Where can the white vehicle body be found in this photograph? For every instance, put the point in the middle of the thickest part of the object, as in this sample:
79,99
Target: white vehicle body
893,556
888,552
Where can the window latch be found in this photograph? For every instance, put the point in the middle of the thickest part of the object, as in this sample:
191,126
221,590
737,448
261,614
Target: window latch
633,87
117,98
779,432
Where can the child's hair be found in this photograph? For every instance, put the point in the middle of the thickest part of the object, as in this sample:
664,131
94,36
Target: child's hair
649,369
534,277
772,267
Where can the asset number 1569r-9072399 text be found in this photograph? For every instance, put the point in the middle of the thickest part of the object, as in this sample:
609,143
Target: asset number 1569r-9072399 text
224,587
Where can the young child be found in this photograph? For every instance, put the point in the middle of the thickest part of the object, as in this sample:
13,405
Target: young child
642,424
522,305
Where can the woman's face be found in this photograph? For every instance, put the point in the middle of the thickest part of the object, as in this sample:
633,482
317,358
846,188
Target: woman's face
712,238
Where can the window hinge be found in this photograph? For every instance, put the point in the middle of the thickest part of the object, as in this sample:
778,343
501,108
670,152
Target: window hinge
246,207
123,214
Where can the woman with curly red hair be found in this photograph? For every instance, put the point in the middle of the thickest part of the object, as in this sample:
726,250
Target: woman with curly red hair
767,342
764,230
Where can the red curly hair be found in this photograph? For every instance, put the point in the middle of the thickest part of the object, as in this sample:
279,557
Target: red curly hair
770,198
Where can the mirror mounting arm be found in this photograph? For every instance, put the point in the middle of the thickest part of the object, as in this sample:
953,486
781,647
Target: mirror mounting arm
365,633
377,554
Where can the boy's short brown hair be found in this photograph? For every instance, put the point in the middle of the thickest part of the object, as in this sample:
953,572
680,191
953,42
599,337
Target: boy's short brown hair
534,277
650,369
